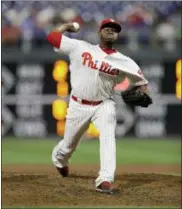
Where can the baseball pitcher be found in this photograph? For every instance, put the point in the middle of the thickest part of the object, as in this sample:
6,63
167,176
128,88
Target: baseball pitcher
95,71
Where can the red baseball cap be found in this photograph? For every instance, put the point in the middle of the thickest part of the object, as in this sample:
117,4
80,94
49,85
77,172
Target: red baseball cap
110,23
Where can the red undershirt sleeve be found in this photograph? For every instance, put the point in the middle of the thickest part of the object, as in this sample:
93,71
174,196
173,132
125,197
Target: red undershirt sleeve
62,43
54,38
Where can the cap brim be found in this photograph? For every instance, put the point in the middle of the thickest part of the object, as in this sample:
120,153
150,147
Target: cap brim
112,25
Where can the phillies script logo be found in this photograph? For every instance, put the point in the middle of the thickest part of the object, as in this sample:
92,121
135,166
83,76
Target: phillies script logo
105,67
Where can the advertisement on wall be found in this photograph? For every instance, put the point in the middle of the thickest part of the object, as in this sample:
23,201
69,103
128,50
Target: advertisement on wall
35,98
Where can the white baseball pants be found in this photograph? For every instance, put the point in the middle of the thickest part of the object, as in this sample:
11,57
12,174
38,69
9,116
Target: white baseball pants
78,119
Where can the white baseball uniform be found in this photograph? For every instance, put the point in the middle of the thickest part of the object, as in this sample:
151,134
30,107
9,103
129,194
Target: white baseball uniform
94,74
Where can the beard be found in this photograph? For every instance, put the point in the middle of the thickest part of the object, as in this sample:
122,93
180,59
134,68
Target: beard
110,39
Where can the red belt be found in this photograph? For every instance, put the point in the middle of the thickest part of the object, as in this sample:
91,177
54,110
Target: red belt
82,101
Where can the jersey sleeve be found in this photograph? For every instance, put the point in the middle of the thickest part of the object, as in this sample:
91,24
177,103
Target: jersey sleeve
62,43
128,68
133,72
136,77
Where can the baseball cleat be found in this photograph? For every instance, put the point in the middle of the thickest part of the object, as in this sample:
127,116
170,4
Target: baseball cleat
107,188
64,171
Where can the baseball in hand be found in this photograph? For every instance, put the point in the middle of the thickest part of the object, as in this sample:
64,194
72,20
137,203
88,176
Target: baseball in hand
76,26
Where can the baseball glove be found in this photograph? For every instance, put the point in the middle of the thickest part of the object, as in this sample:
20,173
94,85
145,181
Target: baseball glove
134,97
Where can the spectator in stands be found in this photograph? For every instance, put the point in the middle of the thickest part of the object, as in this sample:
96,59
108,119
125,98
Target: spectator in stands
29,21
138,21
10,33
165,34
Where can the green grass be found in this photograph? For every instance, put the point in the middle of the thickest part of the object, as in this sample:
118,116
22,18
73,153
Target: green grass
38,151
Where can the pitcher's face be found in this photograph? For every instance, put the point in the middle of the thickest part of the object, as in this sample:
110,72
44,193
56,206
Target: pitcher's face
109,35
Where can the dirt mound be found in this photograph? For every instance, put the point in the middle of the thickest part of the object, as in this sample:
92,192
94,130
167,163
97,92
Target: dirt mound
47,188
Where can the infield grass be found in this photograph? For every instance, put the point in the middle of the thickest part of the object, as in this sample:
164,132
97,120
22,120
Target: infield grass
38,151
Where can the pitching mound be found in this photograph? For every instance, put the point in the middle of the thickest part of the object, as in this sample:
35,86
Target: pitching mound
35,186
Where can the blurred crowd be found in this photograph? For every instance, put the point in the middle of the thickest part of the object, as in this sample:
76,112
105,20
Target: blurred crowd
144,23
